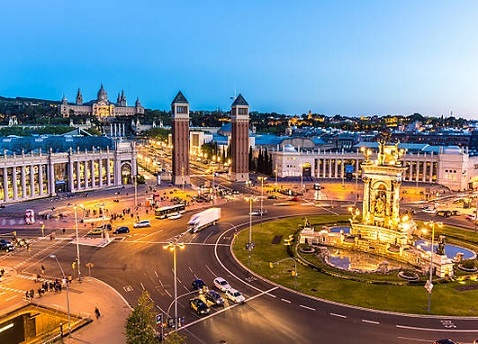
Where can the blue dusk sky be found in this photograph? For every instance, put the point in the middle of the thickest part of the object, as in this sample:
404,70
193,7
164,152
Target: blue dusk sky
331,57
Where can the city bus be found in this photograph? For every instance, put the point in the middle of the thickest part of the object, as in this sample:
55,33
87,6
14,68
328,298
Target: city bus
163,212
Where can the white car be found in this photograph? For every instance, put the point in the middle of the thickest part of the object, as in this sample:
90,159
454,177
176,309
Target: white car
235,296
221,284
175,216
429,210
143,223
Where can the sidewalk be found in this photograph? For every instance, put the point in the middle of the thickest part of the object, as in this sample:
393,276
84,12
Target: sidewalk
83,298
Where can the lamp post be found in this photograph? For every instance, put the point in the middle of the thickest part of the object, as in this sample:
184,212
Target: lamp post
429,284
262,179
275,172
77,243
301,176
135,190
250,244
213,191
53,256
173,246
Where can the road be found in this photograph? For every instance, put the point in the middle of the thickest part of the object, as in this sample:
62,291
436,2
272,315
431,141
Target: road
137,261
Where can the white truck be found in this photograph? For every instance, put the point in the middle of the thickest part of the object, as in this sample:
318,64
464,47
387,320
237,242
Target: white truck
204,219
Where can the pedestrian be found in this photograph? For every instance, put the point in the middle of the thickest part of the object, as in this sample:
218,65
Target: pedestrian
97,312
42,270
63,230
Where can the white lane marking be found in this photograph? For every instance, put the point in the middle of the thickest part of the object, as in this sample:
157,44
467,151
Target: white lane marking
434,329
11,297
190,269
287,301
186,288
338,315
212,272
307,307
160,282
179,280
167,292
156,273
142,286
370,322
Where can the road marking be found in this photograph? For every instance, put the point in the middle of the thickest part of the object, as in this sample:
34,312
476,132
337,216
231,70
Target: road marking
434,329
156,273
142,286
190,269
287,301
160,282
448,324
11,297
307,307
167,292
128,288
370,322
338,315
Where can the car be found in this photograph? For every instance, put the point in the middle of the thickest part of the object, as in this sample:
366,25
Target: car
235,296
258,212
221,284
429,210
272,197
445,341
96,231
6,245
214,297
470,217
121,230
21,242
455,212
106,226
198,284
142,223
199,306
175,216
444,213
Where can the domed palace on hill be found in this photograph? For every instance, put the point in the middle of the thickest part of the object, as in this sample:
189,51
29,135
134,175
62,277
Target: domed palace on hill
100,107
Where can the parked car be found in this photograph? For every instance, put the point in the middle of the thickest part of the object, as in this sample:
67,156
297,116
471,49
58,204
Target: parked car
6,245
215,298
199,306
96,231
235,296
198,284
429,210
445,341
221,284
470,217
142,223
121,230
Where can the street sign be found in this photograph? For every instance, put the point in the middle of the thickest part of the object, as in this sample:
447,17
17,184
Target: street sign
159,318
429,286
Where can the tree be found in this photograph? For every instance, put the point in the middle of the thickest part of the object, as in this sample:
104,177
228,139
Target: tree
175,338
140,325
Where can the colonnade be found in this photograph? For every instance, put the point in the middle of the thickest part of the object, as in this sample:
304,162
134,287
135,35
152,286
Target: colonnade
29,176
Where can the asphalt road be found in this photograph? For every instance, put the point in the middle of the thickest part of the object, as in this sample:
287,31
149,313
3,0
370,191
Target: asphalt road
137,261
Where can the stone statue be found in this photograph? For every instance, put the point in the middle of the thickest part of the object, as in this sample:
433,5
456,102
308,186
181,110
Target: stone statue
441,246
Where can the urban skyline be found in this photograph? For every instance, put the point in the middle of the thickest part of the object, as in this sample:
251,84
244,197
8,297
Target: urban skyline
366,58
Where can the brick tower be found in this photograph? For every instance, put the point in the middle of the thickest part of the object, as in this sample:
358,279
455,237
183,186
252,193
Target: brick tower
240,139
180,134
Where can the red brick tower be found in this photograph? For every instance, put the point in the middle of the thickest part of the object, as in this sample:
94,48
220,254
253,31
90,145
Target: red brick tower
240,140
180,134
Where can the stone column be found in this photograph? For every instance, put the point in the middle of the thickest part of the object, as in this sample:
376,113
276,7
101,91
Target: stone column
366,199
100,171
40,179
92,171
23,182
32,181
108,172
14,183
5,184
85,173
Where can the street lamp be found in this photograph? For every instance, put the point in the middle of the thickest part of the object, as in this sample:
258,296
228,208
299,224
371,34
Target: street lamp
429,284
173,246
294,273
53,256
301,176
262,179
275,172
135,190
77,243
250,244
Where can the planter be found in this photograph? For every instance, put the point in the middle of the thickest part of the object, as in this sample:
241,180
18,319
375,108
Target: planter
408,276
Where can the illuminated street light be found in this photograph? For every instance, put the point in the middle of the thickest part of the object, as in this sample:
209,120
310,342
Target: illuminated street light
429,284
262,179
53,256
250,244
173,246
78,263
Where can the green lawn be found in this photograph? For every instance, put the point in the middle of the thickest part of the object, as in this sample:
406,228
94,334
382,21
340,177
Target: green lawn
446,299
